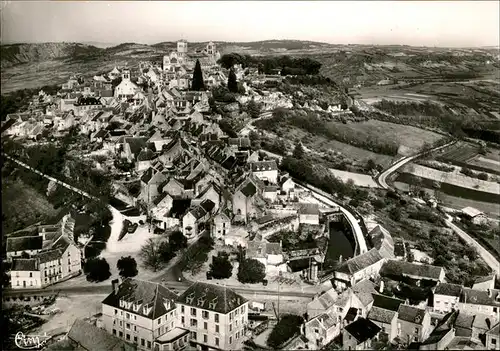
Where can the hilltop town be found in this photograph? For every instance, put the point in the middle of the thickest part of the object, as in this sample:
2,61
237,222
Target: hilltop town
194,202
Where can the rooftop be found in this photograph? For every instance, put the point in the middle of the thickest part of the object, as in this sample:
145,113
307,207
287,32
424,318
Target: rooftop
448,289
395,267
90,337
24,243
24,264
309,209
362,329
151,298
262,166
360,262
471,212
211,297
411,314
382,315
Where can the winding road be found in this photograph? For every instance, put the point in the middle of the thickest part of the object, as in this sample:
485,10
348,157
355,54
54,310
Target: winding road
381,179
490,260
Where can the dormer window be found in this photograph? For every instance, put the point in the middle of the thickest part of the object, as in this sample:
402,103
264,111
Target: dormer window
201,301
212,304
190,298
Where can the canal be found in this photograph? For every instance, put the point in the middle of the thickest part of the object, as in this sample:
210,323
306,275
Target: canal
340,244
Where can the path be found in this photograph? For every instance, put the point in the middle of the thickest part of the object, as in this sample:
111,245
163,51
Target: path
490,260
245,131
328,199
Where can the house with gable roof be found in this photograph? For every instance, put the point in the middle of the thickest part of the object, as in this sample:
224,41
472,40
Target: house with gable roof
269,254
196,217
414,324
139,312
358,268
245,198
473,301
265,171
151,180
58,259
215,316
384,313
446,297
382,241
221,225
359,335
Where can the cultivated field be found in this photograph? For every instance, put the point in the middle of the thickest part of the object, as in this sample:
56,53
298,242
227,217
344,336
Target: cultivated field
22,206
459,153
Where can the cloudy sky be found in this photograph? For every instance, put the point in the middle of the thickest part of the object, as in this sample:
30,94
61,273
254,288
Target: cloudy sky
429,23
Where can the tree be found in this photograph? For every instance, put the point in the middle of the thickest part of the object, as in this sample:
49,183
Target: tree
177,241
221,268
127,266
198,83
166,252
151,254
370,164
253,109
298,152
232,83
288,326
395,214
251,271
96,269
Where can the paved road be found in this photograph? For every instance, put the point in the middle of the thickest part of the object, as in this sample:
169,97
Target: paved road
179,287
490,260
328,200
382,177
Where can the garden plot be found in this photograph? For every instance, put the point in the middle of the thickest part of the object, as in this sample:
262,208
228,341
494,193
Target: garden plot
453,178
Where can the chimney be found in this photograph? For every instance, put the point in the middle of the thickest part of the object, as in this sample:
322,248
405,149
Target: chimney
114,284
381,289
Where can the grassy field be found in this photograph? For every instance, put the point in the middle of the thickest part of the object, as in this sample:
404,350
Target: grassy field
322,144
359,179
23,206
491,209
411,137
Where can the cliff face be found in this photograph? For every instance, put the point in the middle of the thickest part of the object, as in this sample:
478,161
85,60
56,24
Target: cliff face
26,53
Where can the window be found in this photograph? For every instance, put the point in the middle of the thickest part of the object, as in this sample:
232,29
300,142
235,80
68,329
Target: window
114,331
159,320
205,325
193,311
205,338
128,336
194,322
230,340
135,318
135,339
204,314
316,330
143,343
114,322
216,328
235,322
495,309
120,334
416,330
237,335
182,309
128,315
31,275
217,341
116,311
121,323
127,326
231,327
149,344
193,336
349,337
182,319
493,341
135,328
216,318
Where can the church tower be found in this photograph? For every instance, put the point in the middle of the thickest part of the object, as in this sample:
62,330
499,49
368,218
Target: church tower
182,47
126,74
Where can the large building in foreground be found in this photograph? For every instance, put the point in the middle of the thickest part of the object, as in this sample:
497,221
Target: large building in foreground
149,315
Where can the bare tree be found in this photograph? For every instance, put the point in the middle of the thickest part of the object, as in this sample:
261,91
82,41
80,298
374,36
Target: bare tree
151,254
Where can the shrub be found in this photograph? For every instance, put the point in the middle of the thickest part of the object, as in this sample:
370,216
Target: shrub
482,176
221,268
96,269
127,266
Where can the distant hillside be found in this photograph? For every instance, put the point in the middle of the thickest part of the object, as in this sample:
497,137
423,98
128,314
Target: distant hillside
25,53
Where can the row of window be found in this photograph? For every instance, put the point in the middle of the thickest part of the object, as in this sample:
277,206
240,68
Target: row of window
144,343
204,314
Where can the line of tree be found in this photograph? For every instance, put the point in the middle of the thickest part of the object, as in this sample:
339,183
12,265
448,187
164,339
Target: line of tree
269,64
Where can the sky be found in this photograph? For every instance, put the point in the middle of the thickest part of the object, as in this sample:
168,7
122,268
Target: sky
417,23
